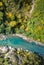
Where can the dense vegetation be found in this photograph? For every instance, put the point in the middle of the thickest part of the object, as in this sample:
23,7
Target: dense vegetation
36,22
13,15
14,19
20,57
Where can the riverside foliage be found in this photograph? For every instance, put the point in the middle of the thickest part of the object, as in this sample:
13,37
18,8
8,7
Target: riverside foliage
20,57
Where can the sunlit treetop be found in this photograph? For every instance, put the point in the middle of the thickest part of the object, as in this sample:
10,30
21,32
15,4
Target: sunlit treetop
12,23
27,29
22,27
39,28
1,4
19,16
9,14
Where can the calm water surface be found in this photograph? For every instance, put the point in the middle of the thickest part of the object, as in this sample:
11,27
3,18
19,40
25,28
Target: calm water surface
17,42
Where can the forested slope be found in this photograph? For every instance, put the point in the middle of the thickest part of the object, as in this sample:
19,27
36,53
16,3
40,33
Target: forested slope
14,19
36,23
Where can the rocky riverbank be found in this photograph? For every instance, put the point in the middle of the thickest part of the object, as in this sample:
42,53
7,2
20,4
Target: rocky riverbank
2,36
28,39
13,56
